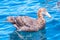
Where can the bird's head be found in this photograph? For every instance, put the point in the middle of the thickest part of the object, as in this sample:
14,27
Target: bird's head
43,11
11,19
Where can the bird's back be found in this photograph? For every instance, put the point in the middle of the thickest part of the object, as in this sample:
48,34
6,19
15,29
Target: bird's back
27,20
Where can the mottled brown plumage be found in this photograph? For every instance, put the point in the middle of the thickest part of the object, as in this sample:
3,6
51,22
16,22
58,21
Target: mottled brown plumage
25,23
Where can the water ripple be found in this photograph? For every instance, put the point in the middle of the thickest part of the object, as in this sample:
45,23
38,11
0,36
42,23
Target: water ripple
29,8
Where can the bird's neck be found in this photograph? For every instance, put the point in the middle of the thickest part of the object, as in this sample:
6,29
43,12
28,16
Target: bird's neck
40,18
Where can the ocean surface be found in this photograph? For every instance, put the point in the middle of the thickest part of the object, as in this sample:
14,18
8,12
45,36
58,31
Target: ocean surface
30,8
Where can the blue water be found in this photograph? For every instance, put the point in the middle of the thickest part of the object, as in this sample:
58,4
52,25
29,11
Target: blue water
30,8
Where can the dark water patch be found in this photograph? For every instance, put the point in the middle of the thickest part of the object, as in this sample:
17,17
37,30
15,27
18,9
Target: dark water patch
52,23
51,6
4,1
29,9
19,0
15,4
58,13
41,1
32,4
12,3
3,8
13,36
57,27
3,16
1,0
35,2
53,12
57,16
32,14
23,15
51,32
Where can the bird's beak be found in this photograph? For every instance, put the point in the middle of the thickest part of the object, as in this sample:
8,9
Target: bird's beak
47,14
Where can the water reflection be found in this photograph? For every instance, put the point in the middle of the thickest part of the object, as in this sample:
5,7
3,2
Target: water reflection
39,35
43,34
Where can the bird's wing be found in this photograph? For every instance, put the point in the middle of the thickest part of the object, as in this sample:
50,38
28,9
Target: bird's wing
30,24
27,20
